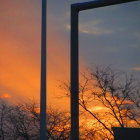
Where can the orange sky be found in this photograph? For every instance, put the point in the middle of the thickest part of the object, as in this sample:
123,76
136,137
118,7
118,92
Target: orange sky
20,73
20,55
20,46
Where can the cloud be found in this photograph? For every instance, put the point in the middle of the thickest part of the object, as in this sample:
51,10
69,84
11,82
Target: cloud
136,68
137,34
93,28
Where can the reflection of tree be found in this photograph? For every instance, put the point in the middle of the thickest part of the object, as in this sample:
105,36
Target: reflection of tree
22,122
115,94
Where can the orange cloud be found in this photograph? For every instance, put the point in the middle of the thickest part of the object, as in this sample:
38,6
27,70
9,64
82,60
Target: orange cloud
5,96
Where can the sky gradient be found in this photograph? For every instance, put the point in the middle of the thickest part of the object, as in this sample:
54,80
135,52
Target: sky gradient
108,36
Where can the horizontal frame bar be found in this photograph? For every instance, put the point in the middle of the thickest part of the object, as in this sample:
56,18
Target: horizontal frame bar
98,3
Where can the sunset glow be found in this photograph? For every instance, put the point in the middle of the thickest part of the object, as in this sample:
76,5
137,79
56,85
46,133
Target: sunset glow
109,69
5,96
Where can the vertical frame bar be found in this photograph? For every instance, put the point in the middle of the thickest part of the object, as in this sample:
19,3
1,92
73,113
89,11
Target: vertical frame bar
43,75
74,76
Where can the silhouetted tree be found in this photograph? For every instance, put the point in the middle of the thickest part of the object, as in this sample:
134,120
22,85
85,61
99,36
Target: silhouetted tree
21,121
4,113
58,124
108,98
22,124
